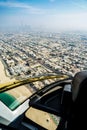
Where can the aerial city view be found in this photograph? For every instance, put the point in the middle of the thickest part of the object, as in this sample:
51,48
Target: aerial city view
31,54
40,38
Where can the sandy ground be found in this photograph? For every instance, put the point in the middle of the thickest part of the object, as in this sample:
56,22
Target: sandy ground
42,118
3,77
21,92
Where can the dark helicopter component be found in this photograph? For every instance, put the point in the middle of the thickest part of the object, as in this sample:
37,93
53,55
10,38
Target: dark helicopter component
78,115
62,102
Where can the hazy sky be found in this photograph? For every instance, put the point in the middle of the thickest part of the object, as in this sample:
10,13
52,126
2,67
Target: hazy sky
46,14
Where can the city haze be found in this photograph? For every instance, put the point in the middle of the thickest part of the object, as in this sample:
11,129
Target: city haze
54,15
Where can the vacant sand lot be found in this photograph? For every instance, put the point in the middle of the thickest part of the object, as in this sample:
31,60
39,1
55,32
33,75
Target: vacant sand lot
21,92
3,77
42,118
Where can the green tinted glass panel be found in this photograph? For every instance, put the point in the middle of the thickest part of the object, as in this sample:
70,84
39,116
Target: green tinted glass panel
9,101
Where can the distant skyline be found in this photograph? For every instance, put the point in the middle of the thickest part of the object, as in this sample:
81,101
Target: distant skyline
44,14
